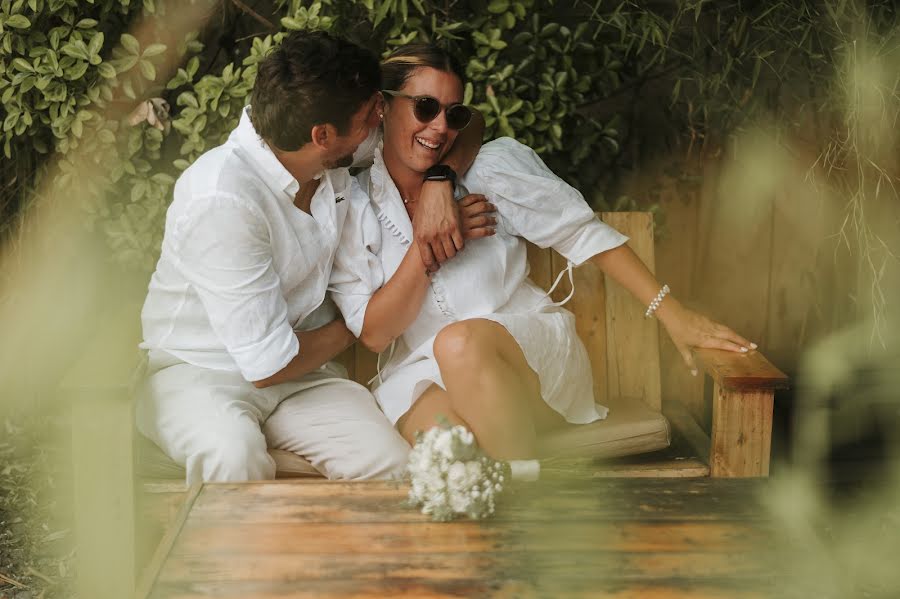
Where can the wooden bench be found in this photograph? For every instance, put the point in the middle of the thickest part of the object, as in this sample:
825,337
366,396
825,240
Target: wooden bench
624,352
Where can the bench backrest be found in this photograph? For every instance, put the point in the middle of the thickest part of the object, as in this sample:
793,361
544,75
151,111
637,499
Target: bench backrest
622,344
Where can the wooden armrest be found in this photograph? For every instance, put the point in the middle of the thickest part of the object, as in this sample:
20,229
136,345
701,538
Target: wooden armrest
734,371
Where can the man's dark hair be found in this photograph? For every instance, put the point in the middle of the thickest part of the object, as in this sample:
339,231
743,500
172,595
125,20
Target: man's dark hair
400,65
311,79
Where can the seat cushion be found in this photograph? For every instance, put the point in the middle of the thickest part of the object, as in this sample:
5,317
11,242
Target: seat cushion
153,463
631,427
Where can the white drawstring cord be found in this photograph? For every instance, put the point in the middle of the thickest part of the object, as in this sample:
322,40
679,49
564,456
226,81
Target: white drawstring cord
378,364
559,277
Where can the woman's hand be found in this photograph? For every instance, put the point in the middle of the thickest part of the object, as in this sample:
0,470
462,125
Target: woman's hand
688,330
476,217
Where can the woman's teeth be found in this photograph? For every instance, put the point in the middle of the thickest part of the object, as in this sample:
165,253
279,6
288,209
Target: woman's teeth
428,144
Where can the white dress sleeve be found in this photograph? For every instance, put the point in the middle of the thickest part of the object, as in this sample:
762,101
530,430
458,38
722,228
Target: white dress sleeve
534,203
357,272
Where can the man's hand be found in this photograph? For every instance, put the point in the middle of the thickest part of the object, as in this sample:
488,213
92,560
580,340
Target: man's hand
436,224
477,215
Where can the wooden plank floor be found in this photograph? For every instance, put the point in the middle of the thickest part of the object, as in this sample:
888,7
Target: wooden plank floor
555,538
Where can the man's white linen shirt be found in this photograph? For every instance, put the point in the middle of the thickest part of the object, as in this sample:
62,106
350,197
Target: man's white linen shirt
241,266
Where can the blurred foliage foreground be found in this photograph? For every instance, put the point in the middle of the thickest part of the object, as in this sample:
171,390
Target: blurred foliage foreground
105,102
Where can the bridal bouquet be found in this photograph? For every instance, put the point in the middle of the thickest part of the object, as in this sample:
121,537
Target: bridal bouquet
451,476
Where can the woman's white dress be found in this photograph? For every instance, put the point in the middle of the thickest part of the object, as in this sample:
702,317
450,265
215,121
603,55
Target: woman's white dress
488,279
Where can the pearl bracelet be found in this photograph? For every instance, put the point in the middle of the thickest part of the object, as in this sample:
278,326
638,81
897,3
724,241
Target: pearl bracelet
654,304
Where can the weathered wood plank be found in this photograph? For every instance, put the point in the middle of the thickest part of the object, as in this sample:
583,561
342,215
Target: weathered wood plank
660,589
684,423
151,572
366,364
731,370
741,432
632,341
429,569
540,269
384,539
104,502
598,499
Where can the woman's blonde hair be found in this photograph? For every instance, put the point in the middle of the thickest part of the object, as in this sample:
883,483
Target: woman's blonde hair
397,68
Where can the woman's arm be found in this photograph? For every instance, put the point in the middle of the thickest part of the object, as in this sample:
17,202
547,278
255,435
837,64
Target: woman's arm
397,304
686,328
436,225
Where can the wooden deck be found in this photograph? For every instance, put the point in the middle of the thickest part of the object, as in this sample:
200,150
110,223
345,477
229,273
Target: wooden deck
555,538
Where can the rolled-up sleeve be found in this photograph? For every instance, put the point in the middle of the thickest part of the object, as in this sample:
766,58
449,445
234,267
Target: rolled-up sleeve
532,202
225,254
357,272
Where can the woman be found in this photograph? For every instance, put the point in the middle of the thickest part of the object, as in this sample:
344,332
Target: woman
477,342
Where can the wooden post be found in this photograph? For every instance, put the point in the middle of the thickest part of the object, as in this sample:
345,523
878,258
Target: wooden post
743,397
741,432
99,389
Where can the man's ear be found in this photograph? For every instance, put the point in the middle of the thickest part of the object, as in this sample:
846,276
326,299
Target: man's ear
322,135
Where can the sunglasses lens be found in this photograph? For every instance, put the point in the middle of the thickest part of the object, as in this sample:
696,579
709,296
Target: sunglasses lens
458,116
427,108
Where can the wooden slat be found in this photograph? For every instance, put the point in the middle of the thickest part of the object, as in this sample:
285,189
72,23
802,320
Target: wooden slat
151,572
540,269
589,307
741,432
435,566
632,341
104,508
526,586
554,501
366,364
678,415
378,538
347,358
681,468
731,370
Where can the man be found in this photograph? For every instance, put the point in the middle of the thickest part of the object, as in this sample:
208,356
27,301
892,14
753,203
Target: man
238,332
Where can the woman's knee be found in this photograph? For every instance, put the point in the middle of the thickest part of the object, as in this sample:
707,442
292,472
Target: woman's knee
466,343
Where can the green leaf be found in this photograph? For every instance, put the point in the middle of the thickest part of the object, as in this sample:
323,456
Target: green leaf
386,6
86,24
96,44
292,24
147,70
18,22
154,50
130,43
23,65
498,6
106,70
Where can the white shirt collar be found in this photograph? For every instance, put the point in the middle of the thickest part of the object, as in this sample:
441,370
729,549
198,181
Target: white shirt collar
248,139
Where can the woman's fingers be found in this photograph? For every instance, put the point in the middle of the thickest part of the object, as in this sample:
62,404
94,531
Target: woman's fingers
688,357
479,232
480,221
719,343
470,199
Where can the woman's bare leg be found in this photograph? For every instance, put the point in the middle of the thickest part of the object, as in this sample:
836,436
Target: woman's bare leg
491,388
425,412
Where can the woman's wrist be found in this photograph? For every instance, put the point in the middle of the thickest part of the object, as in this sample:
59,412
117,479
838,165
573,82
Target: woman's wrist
668,310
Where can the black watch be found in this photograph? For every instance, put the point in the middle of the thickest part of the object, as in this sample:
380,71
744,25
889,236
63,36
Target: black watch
441,172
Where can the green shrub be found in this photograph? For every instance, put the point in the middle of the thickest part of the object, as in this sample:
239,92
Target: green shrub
578,81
